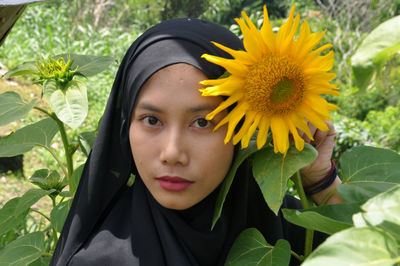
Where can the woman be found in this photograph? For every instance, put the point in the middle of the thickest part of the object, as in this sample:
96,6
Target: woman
154,127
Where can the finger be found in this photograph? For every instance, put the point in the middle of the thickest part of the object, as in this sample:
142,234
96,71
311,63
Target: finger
322,136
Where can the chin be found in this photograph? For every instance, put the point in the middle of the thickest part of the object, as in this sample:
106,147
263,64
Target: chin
175,204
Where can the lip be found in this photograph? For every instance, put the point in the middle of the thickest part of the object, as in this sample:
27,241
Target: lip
173,183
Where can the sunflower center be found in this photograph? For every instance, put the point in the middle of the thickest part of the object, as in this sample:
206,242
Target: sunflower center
275,85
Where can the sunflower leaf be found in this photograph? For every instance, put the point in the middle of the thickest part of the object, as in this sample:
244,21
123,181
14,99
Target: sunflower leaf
356,246
250,248
226,184
382,211
273,170
12,107
367,171
376,49
70,103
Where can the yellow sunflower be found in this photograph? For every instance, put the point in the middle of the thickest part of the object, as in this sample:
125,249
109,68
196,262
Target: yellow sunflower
276,83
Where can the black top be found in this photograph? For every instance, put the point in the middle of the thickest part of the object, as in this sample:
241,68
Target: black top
112,224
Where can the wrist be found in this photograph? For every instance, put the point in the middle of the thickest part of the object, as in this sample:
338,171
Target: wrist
322,183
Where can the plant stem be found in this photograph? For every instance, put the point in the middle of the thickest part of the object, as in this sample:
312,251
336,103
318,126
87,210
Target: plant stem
42,110
55,237
297,256
47,254
41,213
65,142
57,159
327,197
304,201
68,154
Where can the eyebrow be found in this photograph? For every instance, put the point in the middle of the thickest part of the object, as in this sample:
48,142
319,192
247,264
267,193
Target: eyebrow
195,109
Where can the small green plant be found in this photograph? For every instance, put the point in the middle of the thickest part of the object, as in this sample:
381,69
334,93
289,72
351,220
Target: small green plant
68,106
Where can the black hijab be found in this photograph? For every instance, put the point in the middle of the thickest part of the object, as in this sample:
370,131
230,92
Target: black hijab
111,223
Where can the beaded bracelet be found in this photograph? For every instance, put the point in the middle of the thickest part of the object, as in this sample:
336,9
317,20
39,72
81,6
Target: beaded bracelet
323,183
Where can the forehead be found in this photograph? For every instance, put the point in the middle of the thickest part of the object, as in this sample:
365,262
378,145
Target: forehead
175,85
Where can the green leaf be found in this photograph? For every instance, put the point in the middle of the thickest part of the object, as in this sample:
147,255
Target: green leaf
226,184
12,211
75,178
42,261
86,140
24,250
382,211
59,214
69,102
8,220
38,134
361,192
89,65
12,107
47,180
315,221
272,171
375,50
250,248
367,171
356,246
27,68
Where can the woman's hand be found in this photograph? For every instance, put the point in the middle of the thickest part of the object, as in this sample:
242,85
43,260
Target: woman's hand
323,142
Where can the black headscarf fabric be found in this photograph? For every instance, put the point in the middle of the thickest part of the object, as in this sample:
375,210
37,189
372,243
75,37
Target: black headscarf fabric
112,224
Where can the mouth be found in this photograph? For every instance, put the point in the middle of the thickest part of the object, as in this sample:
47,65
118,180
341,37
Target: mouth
173,183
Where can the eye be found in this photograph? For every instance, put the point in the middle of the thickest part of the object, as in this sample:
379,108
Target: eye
201,123
150,120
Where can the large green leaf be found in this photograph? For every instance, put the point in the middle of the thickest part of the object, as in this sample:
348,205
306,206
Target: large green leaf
12,107
272,171
89,65
226,184
86,140
382,211
375,50
27,68
315,221
59,214
361,192
367,171
356,246
69,102
38,134
12,211
250,248
24,250
75,178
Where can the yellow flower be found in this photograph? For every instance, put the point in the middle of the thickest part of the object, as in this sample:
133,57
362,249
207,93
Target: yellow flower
276,83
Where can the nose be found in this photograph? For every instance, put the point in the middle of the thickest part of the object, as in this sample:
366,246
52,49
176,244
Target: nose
174,150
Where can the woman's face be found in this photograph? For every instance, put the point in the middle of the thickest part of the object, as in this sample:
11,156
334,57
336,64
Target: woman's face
179,158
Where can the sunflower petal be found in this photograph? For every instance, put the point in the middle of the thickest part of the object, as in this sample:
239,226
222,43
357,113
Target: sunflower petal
249,42
235,116
225,104
298,141
228,88
280,133
237,54
267,33
246,138
229,64
314,118
263,131
249,119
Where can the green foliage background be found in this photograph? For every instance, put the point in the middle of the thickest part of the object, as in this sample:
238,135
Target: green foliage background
107,28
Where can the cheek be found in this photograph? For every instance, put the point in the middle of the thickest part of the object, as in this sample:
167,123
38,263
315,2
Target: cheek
139,147
216,158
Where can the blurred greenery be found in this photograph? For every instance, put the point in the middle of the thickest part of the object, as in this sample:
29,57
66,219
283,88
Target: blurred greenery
100,27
